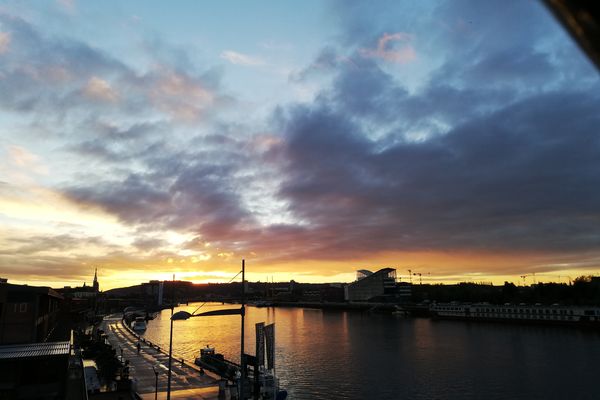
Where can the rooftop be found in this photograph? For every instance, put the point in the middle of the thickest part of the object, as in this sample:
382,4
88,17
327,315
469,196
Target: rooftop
34,350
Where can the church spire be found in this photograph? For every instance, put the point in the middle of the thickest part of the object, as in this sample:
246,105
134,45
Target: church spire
96,285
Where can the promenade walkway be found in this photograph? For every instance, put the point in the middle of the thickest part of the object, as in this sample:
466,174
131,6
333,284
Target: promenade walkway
186,381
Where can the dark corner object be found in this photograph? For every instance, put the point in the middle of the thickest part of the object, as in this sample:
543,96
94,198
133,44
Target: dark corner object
581,18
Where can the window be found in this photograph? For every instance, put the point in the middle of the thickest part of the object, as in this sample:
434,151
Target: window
23,307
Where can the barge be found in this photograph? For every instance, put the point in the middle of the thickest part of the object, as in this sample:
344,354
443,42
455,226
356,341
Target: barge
555,314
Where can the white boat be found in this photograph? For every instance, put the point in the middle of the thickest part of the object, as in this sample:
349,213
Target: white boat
555,314
139,324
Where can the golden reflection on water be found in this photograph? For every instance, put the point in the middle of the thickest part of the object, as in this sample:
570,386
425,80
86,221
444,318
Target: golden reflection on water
297,330
342,355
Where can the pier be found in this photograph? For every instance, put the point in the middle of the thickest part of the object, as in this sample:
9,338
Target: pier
186,380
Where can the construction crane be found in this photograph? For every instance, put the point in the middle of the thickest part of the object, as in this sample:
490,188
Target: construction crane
420,276
527,275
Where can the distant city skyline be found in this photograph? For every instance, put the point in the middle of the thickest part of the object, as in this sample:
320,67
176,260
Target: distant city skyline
457,139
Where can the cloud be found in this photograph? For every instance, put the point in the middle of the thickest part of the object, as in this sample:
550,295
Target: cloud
4,42
241,59
328,60
62,242
146,243
60,77
493,183
21,156
100,89
370,167
395,48
492,152
67,5
179,94
467,161
24,160
184,191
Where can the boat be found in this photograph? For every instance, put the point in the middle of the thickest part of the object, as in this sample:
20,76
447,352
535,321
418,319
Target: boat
258,382
554,314
139,324
400,312
216,363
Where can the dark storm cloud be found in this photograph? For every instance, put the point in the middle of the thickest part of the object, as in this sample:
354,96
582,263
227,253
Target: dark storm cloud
116,144
508,160
182,190
523,177
326,61
135,199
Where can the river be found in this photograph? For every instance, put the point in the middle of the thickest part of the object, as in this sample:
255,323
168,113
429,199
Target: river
352,355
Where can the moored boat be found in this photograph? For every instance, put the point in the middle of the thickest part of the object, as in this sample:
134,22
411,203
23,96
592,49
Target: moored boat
139,324
268,383
216,363
555,314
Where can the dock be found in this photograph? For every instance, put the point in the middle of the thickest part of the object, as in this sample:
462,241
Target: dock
186,380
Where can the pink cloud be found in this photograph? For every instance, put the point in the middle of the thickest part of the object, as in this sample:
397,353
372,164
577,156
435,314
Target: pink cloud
395,47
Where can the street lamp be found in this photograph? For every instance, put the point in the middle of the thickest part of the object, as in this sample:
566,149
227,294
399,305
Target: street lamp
184,315
171,342
155,381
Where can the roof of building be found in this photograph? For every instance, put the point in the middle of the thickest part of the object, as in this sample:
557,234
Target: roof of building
44,290
34,350
373,276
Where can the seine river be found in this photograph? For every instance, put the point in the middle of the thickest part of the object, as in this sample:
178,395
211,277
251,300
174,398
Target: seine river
353,355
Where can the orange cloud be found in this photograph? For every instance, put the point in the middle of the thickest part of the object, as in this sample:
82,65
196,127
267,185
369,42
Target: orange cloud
100,89
180,95
4,42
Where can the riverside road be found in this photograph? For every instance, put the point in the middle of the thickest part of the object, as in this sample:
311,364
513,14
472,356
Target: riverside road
186,380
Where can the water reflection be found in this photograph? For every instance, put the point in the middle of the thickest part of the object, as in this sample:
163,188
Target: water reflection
349,355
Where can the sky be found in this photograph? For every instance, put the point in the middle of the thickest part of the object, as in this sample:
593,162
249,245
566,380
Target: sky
457,139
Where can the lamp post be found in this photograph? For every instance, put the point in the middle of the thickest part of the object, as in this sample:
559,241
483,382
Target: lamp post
243,312
155,381
171,343
183,315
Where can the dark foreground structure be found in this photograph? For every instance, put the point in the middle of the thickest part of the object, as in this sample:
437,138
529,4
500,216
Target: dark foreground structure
34,371
27,313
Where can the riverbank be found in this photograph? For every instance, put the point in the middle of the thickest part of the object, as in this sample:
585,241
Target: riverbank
186,380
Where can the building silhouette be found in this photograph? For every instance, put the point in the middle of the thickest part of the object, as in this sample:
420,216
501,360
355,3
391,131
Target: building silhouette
27,313
370,285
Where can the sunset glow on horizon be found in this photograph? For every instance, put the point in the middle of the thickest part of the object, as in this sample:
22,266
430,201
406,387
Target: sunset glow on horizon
455,139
